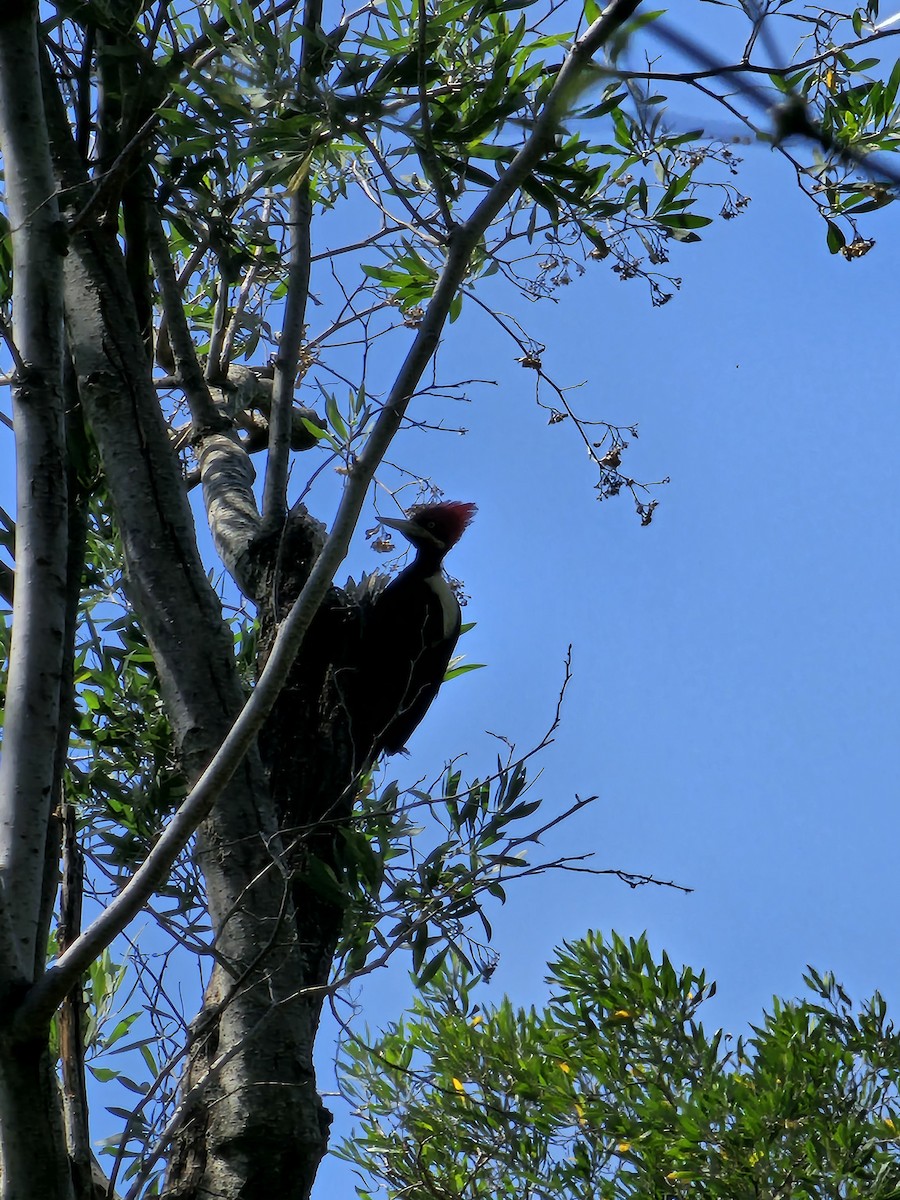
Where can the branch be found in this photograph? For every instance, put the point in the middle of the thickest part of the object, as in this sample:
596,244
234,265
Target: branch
429,157
48,991
420,223
72,1014
790,118
716,70
227,475
352,247
204,413
274,504
7,583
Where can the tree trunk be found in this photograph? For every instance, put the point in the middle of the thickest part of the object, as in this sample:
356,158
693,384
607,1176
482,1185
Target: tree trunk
261,1125
33,689
32,1148
34,1162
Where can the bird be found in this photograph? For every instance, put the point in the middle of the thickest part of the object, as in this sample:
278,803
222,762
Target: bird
409,633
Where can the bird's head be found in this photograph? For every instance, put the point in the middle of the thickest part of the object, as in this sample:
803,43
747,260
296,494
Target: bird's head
437,526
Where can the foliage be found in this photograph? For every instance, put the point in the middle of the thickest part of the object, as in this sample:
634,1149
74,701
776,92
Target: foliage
399,134
419,867
245,129
122,770
615,1089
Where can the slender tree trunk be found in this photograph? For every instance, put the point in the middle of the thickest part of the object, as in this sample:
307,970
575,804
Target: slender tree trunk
249,1098
33,690
32,1149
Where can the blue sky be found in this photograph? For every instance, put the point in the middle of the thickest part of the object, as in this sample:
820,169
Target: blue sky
735,694
735,700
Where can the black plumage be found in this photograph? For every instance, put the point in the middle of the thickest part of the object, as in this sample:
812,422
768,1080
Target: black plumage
409,635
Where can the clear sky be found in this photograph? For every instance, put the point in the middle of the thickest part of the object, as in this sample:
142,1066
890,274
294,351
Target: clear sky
735,700
735,696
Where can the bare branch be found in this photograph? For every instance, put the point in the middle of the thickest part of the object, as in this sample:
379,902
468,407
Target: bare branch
274,504
188,372
421,226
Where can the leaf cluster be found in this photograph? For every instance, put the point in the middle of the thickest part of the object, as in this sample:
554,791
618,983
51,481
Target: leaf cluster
122,775
615,1089
417,868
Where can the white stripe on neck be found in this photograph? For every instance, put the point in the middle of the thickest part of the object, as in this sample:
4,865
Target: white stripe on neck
449,603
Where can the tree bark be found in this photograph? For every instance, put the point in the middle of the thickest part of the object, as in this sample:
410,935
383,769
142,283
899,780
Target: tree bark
39,610
260,1120
34,1161
32,1148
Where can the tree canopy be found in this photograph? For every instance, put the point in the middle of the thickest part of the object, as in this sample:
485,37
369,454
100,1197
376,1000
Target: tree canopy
616,1089
244,229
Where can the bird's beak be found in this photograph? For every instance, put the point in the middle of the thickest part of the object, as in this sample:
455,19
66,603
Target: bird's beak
401,524
412,531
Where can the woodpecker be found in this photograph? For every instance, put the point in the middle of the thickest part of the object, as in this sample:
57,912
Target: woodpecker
409,634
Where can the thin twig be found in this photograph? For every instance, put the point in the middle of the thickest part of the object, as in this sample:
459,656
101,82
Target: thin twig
716,70
420,222
429,156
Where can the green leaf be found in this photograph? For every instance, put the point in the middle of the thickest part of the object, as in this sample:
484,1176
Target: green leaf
835,239
361,853
320,878
102,1074
431,968
684,221
120,1029
540,193
420,944
335,420
316,430
463,669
